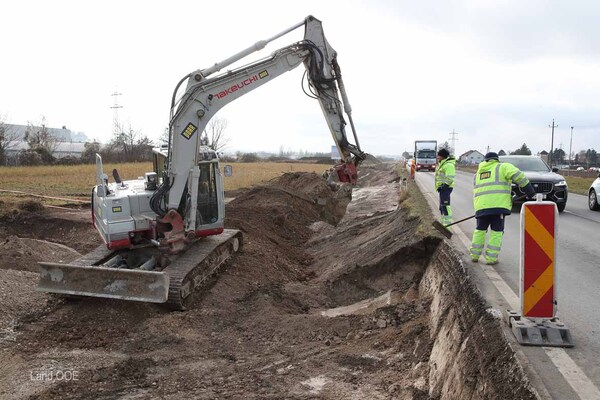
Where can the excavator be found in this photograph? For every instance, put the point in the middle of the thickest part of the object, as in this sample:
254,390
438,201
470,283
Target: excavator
164,233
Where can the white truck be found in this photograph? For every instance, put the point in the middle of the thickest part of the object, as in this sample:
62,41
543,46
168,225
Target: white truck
425,153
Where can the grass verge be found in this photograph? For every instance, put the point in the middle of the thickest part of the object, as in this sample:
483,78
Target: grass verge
416,204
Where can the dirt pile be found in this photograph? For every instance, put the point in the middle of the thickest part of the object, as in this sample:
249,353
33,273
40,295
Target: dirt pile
72,228
23,254
307,310
313,189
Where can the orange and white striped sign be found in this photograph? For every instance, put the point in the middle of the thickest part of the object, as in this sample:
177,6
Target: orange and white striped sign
538,255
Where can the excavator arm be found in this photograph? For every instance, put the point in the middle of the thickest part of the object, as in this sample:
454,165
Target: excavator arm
204,96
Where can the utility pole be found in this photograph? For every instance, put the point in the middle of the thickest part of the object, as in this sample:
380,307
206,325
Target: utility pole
552,143
571,151
453,140
115,108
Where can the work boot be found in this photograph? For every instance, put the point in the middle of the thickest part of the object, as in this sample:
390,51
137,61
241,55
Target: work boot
491,262
474,259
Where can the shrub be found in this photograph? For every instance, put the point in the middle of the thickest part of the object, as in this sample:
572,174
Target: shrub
249,157
30,205
29,157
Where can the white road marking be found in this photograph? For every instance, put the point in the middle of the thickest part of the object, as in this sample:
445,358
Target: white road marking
580,383
575,377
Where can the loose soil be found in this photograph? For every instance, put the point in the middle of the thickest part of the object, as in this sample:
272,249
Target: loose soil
320,304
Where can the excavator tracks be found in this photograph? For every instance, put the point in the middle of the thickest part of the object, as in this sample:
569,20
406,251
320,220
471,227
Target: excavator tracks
174,285
192,269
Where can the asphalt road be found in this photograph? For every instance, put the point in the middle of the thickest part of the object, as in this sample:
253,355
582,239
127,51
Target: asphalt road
575,372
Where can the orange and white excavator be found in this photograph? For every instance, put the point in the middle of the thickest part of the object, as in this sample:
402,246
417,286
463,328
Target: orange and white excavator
151,226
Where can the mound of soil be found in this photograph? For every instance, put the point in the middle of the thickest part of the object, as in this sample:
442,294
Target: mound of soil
370,160
306,310
71,228
23,254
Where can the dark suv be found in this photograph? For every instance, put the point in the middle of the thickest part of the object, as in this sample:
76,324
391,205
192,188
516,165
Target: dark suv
544,180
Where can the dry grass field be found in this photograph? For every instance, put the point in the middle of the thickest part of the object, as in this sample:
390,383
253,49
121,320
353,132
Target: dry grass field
76,182
579,184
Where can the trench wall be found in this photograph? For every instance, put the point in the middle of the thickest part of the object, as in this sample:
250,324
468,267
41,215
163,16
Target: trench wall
471,357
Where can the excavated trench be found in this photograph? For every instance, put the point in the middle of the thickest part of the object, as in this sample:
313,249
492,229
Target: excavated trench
321,304
415,284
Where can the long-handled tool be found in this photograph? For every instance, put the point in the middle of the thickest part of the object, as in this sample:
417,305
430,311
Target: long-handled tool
443,228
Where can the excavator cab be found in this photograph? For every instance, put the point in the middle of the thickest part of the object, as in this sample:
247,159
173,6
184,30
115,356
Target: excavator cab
205,191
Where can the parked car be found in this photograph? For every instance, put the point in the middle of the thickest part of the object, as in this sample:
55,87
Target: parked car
544,179
594,195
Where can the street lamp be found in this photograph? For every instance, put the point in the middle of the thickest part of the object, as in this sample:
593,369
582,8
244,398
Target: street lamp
571,151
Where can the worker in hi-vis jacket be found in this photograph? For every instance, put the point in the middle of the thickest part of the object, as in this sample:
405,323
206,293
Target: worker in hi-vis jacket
444,182
492,201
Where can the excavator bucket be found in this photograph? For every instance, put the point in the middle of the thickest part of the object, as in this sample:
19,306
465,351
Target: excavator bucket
124,284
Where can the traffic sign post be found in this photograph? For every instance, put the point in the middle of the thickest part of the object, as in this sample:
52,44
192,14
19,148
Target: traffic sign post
537,324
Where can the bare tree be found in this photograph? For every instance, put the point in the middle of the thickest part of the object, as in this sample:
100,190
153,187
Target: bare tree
581,157
39,136
41,141
131,145
8,139
164,137
215,132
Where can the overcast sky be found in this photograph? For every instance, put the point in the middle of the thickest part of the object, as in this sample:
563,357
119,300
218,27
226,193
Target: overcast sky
496,72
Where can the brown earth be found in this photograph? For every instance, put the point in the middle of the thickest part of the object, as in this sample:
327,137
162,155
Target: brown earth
309,310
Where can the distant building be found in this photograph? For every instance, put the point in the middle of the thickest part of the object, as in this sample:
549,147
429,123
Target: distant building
72,149
544,156
471,157
68,143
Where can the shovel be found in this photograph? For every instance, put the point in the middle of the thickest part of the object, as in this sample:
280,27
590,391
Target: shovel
443,228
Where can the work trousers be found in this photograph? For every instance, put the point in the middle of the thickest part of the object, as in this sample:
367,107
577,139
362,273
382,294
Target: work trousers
496,223
445,207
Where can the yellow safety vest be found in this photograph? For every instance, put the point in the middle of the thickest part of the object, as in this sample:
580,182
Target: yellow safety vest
492,185
445,173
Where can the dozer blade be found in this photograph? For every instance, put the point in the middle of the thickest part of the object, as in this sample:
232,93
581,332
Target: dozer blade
124,284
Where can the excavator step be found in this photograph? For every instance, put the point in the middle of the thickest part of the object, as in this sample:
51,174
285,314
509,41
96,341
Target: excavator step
174,284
